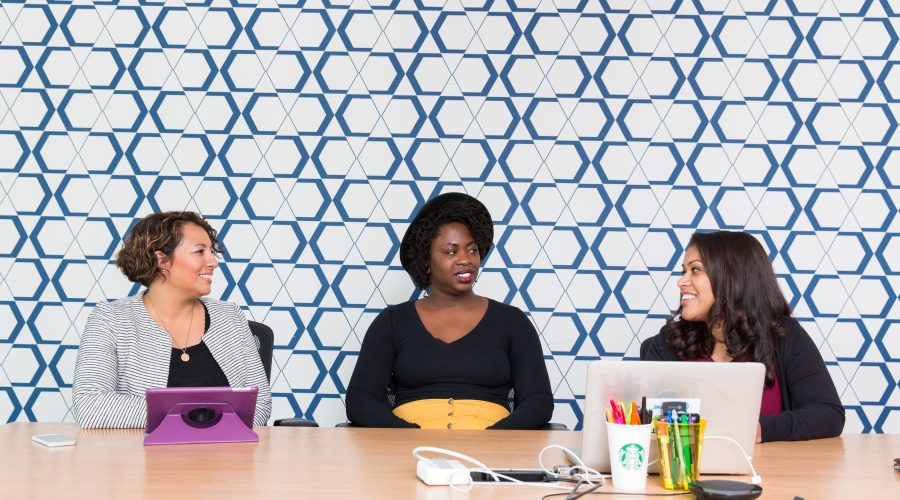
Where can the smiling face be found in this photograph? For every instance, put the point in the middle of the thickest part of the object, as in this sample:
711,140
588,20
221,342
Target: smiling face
454,260
695,288
190,267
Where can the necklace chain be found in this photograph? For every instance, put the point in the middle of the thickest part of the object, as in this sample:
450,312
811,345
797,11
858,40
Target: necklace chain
184,355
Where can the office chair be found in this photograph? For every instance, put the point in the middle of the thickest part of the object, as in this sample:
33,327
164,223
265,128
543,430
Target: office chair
510,401
265,341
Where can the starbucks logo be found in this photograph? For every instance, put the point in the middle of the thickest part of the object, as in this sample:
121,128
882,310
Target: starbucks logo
632,456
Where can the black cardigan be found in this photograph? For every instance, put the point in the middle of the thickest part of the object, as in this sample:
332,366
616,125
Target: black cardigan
812,408
503,351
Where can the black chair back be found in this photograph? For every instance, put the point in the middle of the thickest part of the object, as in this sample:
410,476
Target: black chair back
265,340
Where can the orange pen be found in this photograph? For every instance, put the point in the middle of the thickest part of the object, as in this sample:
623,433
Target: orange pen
609,416
665,464
634,418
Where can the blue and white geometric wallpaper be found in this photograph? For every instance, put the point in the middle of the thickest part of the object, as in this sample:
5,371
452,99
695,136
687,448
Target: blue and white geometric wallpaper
600,134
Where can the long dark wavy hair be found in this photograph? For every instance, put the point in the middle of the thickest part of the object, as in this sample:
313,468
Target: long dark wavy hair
748,303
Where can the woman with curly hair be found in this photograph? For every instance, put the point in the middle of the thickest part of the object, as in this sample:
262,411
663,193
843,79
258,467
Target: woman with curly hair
731,309
451,357
167,335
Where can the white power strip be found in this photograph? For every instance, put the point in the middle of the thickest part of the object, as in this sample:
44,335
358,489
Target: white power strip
441,472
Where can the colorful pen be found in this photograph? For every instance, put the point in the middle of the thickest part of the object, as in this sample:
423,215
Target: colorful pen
686,442
618,418
696,437
675,452
679,450
665,464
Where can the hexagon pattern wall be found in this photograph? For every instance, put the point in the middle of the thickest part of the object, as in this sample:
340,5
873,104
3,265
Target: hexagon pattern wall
600,133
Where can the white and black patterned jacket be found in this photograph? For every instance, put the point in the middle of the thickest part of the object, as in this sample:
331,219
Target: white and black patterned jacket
123,352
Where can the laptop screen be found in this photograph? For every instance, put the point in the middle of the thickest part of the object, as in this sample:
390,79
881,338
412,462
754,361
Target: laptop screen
727,396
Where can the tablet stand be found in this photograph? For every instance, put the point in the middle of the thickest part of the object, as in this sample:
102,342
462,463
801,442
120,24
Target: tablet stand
180,426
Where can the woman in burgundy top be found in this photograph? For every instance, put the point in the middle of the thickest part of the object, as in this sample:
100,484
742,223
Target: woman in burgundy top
731,309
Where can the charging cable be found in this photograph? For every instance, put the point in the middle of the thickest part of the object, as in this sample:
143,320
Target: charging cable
756,478
496,476
468,483
578,471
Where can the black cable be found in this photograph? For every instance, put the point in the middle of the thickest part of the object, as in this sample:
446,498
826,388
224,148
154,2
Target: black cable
572,495
578,494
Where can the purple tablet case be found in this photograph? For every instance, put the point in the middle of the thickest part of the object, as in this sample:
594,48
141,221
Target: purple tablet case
183,415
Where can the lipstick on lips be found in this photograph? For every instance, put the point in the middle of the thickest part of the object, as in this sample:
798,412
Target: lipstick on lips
465,277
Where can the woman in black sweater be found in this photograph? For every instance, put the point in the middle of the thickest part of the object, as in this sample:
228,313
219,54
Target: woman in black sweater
451,357
731,309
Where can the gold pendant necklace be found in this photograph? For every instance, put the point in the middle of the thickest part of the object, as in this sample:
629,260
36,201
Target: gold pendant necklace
184,355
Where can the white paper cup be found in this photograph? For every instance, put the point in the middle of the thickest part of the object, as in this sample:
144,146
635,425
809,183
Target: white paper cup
629,452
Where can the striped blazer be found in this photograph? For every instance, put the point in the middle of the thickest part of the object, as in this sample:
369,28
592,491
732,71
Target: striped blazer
123,352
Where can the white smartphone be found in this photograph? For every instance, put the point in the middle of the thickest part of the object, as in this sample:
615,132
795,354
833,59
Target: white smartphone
53,440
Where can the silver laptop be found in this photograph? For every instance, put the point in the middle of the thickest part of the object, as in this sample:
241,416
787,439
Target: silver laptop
728,395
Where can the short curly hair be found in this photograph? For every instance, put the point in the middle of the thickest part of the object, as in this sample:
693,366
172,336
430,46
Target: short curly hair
415,250
159,231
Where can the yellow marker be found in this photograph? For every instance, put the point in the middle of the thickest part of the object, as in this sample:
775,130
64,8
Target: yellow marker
665,467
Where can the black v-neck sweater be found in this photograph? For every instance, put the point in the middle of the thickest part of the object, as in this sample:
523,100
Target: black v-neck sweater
502,352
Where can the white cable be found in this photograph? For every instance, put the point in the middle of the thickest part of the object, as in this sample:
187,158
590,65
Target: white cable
579,470
756,479
480,468
586,473
469,482
453,454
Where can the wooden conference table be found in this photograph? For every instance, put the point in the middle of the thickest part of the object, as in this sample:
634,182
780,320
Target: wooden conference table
336,463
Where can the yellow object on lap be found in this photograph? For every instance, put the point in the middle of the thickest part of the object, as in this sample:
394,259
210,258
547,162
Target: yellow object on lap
451,413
